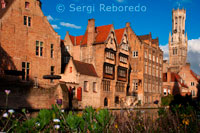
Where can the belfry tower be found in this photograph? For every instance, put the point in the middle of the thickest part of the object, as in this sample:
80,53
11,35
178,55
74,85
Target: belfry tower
178,41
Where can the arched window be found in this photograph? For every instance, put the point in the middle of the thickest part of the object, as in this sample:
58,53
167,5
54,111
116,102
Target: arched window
105,102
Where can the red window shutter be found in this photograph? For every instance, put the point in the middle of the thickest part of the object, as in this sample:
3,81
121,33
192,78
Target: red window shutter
79,94
70,69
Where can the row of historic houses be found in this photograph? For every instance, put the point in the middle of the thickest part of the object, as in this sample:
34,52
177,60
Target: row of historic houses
105,67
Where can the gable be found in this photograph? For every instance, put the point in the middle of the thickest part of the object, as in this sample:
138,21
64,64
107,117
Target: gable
111,42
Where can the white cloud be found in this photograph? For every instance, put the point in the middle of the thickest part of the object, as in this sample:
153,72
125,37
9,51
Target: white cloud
55,26
165,49
50,18
193,54
194,45
70,25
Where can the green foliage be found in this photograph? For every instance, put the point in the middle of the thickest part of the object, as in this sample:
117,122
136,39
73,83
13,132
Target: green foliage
165,101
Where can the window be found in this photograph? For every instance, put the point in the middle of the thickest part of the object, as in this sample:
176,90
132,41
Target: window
146,67
192,83
27,5
149,68
125,47
156,59
123,59
106,85
149,56
165,91
193,92
52,51
120,87
168,91
85,85
108,69
94,87
175,51
135,85
135,54
122,73
26,70
145,54
27,21
153,57
110,55
39,48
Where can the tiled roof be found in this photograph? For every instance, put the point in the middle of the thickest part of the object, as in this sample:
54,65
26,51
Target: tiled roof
119,34
194,75
8,4
145,37
102,33
76,40
85,68
174,78
155,41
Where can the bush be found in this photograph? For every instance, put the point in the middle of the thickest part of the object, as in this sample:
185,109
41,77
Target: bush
165,101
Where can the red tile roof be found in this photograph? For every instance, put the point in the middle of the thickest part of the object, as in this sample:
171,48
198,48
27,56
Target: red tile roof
119,34
174,78
102,33
76,40
155,41
194,75
85,68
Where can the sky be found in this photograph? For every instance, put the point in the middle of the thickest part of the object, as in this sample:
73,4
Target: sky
145,16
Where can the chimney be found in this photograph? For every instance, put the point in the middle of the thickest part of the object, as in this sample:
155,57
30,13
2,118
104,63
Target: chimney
91,31
168,75
3,4
128,24
39,3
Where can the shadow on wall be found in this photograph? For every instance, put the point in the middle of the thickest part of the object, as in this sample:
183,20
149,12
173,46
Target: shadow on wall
176,89
19,90
198,92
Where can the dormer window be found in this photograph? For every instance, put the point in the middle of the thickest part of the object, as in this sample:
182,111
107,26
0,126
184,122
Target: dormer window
27,5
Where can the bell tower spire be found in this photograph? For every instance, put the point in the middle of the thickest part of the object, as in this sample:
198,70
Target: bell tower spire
178,40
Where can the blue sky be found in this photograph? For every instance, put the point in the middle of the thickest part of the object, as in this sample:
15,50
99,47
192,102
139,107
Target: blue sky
157,18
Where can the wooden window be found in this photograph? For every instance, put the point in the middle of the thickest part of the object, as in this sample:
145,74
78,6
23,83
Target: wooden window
192,84
149,56
109,69
27,21
123,59
39,48
135,54
86,88
145,54
26,70
52,51
135,85
94,87
106,85
27,5
122,73
110,55
120,86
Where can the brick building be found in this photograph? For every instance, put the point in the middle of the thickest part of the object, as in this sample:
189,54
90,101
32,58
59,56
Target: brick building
117,56
146,64
29,46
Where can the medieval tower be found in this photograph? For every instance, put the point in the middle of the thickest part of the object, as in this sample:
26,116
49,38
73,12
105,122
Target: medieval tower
178,41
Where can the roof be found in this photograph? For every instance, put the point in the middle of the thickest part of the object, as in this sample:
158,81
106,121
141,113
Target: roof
8,4
194,75
85,68
145,37
102,33
76,40
155,41
119,34
174,78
